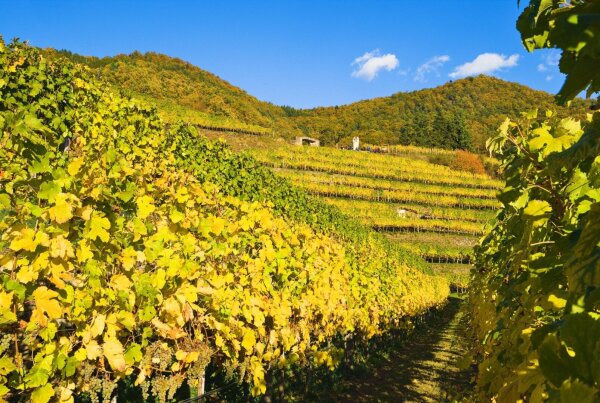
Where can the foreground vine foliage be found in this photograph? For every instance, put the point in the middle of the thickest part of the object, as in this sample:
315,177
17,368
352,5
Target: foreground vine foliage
118,260
535,295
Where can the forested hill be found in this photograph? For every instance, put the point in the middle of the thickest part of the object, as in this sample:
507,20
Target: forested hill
455,115
182,90
437,117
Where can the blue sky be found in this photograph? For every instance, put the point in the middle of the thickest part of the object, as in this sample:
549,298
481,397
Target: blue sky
300,53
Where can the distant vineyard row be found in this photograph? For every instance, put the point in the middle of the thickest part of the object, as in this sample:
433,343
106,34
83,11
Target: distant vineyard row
325,178
400,212
428,174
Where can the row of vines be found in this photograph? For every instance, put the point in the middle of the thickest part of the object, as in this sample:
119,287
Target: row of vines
395,196
424,212
363,164
386,184
131,253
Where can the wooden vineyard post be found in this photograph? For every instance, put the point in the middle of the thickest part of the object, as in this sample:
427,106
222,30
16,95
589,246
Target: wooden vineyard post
201,384
198,391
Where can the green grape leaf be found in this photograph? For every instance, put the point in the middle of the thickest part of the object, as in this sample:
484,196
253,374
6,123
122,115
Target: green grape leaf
42,394
577,391
133,354
537,211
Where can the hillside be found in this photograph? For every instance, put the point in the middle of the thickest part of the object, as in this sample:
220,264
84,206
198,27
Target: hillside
429,116
436,211
138,258
180,90
449,116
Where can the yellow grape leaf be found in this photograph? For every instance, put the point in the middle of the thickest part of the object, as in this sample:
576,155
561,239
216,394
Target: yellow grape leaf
97,227
7,365
7,260
192,356
139,229
527,331
182,195
159,279
24,240
173,309
141,376
58,273
259,386
62,211
127,319
162,328
113,351
259,348
43,394
66,394
84,252
174,266
79,83
128,258
568,126
270,253
248,341
145,206
61,247
41,261
217,224
95,192
120,282
74,166
181,355
557,302
27,274
187,293
98,325
85,212
167,331
93,350
219,341
5,299
80,354
176,215
45,301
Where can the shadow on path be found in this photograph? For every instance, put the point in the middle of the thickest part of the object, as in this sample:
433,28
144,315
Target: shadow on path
422,369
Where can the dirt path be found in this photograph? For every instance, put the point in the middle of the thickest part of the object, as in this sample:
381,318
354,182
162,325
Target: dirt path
422,369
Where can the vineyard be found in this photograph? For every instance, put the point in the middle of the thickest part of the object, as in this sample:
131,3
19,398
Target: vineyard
436,212
137,255
161,239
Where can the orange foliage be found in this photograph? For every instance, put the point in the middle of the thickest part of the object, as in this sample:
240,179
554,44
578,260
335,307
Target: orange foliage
466,161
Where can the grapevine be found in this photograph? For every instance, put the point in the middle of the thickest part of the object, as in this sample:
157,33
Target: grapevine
119,259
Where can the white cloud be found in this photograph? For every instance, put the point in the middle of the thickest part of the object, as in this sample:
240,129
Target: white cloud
485,63
430,66
371,63
549,64
553,58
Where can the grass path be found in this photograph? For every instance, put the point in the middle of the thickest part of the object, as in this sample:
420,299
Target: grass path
422,369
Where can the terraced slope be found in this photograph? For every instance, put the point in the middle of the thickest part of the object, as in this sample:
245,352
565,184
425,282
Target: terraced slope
430,209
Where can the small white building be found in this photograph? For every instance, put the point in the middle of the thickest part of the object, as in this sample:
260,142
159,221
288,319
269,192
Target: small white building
356,144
